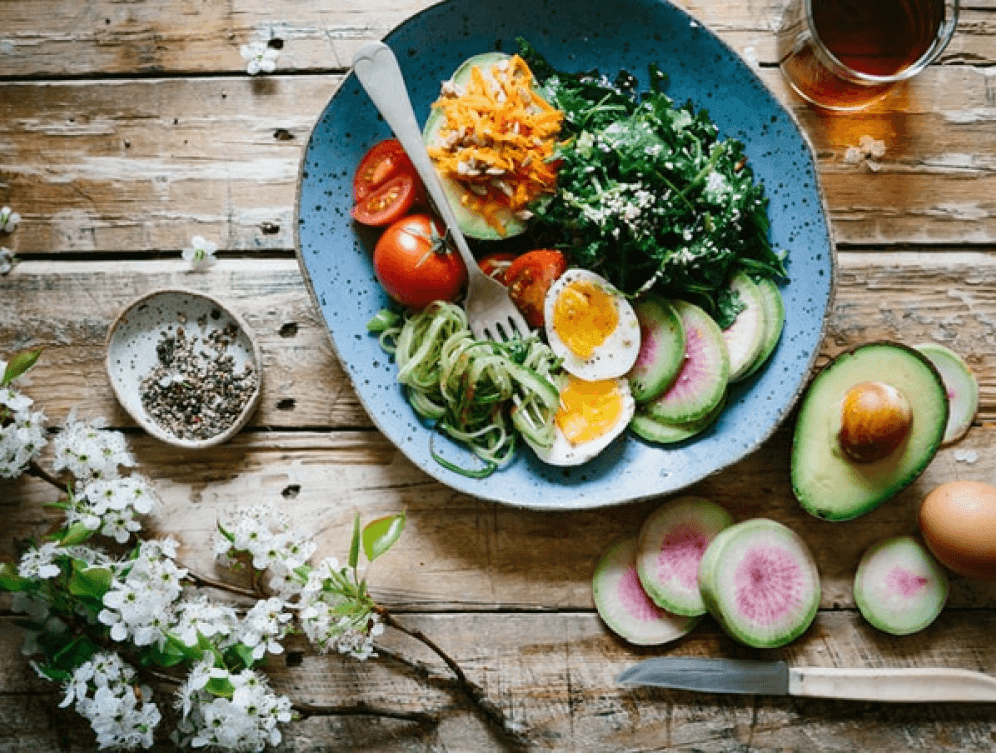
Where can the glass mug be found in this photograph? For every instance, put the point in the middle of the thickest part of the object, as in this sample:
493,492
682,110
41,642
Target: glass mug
846,54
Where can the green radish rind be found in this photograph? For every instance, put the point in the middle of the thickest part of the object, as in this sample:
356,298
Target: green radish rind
625,607
825,482
745,336
756,558
662,432
962,387
471,223
899,587
669,547
774,322
662,348
701,383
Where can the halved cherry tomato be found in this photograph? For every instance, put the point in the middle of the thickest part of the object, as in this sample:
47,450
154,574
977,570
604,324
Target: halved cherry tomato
388,202
413,264
494,265
382,162
529,277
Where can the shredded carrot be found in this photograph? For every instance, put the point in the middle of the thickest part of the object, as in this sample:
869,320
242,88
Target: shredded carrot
498,141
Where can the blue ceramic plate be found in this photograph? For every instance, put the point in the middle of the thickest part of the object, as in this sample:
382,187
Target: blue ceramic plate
578,35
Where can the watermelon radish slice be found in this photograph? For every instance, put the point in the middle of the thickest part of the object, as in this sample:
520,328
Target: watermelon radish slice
670,545
745,337
701,382
760,581
623,604
962,387
662,432
774,322
662,348
899,587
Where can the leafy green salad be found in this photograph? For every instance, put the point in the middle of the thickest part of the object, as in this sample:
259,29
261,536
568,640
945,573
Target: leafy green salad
648,195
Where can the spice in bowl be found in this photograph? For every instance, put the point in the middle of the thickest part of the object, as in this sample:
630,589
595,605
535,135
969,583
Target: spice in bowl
184,367
196,390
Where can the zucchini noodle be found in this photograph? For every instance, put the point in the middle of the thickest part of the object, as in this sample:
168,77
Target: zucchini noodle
482,393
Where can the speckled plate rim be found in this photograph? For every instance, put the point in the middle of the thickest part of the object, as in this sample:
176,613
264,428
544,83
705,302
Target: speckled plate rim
138,415
563,496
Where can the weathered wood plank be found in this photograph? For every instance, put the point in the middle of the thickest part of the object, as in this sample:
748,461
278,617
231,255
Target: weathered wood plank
190,37
462,553
145,165
553,674
66,307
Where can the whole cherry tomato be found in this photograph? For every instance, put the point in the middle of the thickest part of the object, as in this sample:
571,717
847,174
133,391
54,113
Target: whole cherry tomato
413,264
529,277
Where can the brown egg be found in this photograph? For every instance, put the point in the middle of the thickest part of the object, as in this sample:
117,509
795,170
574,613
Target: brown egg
958,523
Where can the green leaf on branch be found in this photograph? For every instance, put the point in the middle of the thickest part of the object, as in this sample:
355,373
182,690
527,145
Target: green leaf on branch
53,674
19,364
10,580
220,687
381,534
74,653
89,581
76,534
242,655
354,544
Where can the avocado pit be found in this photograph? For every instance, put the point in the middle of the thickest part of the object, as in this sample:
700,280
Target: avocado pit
875,419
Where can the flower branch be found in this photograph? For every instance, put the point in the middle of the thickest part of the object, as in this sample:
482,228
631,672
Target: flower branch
103,618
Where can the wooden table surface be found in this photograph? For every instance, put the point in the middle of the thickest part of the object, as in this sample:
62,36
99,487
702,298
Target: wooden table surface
128,127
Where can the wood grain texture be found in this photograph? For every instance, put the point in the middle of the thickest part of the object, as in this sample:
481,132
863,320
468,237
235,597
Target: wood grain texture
554,675
947,296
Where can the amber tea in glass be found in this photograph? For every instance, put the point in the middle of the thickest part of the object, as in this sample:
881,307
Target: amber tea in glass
845,54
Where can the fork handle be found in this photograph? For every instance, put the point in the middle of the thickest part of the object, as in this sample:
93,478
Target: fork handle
377,69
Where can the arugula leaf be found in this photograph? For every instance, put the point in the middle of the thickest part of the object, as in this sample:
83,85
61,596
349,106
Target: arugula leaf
648,194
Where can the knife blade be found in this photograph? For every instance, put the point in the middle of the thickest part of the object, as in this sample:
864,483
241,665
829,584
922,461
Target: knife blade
760,677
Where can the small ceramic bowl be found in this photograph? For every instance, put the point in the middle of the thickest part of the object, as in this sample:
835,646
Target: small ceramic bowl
186,369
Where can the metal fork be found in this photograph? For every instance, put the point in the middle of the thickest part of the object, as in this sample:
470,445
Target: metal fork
490,312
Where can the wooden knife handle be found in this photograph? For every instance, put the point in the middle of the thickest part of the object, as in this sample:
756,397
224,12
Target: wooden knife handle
903,685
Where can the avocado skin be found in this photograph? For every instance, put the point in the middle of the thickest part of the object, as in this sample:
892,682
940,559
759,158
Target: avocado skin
825,482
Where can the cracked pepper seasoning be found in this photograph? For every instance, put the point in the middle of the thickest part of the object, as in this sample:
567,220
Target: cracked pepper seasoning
194,391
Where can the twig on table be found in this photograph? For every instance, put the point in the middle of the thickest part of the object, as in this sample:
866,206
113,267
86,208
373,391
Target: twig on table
491,712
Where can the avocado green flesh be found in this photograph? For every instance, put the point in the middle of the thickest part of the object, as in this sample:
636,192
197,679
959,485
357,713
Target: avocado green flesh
828,484
471,223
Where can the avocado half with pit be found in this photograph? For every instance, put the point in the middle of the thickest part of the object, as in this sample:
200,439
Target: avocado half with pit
471,223
869,424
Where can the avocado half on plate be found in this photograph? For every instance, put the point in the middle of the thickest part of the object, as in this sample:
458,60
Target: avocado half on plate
869,424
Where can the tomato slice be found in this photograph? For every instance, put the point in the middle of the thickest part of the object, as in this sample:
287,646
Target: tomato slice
529,277
382,162
495,265
387,203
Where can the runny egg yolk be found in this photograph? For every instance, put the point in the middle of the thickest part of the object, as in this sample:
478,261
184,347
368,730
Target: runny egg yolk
588,409
584,316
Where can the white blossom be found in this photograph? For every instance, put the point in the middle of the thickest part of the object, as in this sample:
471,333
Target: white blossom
140,604
261,58
39,562
22,432
323,614
8,219
207,618
245,722
112,506
89,451
264,626
103,690
201,253
6,260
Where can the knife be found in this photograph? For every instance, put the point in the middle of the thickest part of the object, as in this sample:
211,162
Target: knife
902,684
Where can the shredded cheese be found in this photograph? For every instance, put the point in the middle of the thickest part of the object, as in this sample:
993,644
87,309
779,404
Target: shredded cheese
498,140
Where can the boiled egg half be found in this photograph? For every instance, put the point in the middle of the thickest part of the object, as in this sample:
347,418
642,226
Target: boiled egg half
591,326
590,415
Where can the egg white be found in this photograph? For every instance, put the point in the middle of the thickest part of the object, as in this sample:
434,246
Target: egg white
614,357
563,452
